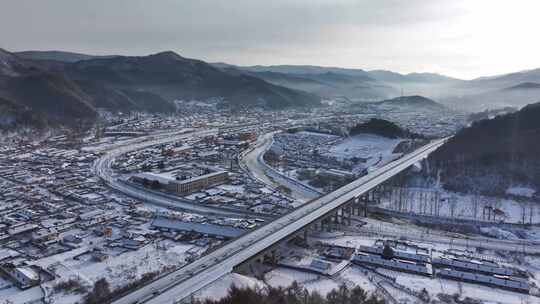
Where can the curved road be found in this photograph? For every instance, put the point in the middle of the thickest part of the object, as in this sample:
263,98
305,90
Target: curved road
180,284
254,163
102,168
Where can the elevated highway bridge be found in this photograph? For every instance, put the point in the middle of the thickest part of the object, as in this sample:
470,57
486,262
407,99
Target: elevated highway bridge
184,282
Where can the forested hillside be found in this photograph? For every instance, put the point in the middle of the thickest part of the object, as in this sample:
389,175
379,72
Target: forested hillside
383,128
493,154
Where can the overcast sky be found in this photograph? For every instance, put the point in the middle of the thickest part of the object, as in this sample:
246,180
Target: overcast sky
461,38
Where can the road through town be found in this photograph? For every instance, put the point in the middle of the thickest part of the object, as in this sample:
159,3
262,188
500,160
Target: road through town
183,282
103,168
253,161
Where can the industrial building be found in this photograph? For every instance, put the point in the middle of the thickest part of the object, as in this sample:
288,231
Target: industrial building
504,282
183,186
203,228
479,267
22,276
362,258
398,254
478,272
180,150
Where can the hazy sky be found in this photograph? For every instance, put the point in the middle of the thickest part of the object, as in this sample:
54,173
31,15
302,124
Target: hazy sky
461,38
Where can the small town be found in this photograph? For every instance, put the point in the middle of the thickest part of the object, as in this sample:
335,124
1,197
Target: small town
269,152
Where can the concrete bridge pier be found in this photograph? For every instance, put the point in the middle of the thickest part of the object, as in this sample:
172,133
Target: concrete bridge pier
255,266
425,166
376,195
348,212
356,206
326,224
273,256
335,220
385,190
364,199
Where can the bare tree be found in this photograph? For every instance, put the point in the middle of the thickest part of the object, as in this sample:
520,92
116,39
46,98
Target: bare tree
475,202
438,203
523,211
531,211
452,201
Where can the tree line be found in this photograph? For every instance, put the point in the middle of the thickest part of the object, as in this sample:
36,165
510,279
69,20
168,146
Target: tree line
294,294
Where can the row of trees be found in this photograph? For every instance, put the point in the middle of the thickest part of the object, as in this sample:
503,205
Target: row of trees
295,294
383,128
102,293
428,201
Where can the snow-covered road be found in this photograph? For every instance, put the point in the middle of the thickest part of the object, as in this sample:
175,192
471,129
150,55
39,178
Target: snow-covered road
253,161
102,168
191,278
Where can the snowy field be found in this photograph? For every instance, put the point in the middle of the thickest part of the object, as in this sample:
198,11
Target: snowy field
119,269
465,206
364,146
326,136
437,285
278,277
353,275
13,295
220,288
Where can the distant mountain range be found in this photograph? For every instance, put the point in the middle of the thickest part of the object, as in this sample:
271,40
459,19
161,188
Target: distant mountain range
504,94
508,80
57,56
63,86
329,82
361,85
332,85
525,86
393,77
296,69
60,89
493,154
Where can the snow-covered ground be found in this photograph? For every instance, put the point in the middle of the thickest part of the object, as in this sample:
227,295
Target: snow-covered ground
130,265
471,207
284,277
377,148
326,136
279,277
13,295
118,269
521,191
437,285
220,288
353,275
434,286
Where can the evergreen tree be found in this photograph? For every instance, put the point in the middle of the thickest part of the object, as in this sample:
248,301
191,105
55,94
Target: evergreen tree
387,253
